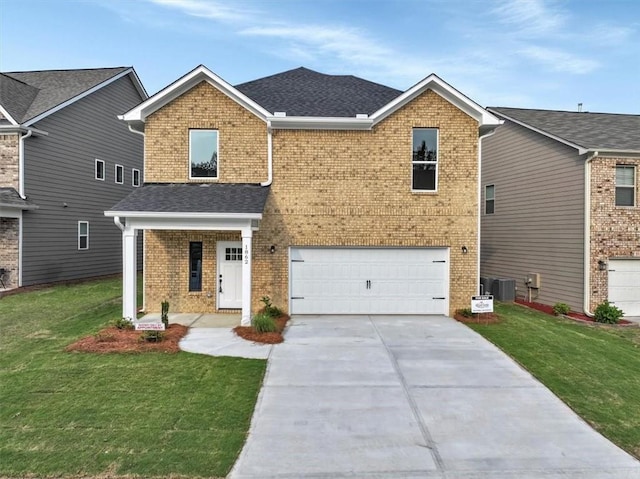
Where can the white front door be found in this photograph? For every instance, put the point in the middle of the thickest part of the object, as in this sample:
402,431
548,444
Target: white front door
229,275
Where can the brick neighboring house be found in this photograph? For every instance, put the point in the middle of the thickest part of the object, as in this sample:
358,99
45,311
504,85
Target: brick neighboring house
64,158
330,194
543,173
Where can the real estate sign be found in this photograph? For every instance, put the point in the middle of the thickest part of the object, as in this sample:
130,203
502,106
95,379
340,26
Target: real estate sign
149,326
482,304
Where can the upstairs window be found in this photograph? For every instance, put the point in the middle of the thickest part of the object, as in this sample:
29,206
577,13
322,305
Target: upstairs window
119,174
99,170
135,177
625,185
425,159
83,235
203,154
489,199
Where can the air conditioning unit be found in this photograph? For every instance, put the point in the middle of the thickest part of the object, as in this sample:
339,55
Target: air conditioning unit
504,289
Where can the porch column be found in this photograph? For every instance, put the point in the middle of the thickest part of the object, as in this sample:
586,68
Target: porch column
129,273
246,277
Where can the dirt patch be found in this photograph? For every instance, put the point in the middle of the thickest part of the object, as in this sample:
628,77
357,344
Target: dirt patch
484,318
114,340
250,334
578,317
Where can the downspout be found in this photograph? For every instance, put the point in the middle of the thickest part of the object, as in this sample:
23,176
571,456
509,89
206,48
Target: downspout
269,156
480,138
21,163
116,220
587,234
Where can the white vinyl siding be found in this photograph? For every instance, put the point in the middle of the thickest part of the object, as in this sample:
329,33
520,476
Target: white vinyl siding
83,235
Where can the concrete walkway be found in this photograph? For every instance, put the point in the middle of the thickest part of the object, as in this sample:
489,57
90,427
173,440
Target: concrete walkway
412,397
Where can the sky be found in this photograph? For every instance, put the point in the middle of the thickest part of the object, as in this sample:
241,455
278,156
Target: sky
547,54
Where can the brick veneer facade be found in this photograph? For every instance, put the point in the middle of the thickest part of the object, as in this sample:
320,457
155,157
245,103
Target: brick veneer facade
9,173
615,230
330,188
9,237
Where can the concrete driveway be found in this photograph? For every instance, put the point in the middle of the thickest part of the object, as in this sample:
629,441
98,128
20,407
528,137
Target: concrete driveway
412,397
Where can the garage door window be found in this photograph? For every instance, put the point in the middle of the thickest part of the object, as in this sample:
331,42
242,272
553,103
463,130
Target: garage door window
625,185
425,159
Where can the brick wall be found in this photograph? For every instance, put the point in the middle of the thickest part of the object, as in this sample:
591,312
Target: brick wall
339,188
9,172
9,251
615,230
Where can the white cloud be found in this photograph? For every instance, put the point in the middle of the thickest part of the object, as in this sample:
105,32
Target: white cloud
211,9
531,17
559,60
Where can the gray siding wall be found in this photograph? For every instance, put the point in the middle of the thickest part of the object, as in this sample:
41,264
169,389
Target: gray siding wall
538,224
60,170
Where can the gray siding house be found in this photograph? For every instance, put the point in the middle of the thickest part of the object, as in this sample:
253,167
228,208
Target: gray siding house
560,207
64,158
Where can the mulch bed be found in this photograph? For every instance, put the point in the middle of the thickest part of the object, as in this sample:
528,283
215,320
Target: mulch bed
579,317
114,340
250,334
484,318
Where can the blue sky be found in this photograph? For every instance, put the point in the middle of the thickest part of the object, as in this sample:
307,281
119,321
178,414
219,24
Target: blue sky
550,54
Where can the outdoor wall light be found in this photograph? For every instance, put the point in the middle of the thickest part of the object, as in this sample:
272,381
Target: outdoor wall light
272,249
465,250
602,266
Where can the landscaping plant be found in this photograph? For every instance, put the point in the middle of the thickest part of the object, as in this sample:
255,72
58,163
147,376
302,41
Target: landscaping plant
123,323
264,323
269,308
560,309
606,312
165,313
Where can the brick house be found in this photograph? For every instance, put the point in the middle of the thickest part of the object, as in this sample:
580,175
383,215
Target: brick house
330,194
560,193
64,158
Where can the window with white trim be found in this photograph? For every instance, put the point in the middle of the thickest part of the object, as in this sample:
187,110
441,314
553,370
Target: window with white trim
83,235
489,199
424,176
195,266
203,154
625,185
135,177
119,174
99,170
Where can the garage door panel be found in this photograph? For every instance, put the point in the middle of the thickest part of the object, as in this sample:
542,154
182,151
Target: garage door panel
369,281
624,285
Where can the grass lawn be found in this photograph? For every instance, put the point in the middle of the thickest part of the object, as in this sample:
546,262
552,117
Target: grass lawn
595,370
77,414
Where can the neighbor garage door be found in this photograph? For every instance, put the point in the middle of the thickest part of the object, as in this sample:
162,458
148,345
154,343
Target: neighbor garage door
624,285
369,281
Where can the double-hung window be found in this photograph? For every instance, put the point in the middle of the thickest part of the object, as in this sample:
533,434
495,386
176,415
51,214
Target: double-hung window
100,170
203,154
83,235
135,177
625,185
425,159
489,199
119,174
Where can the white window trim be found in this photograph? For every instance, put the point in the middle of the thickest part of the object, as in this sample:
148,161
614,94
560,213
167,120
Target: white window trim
205,178
435,190
487,199
133,177
116,174
81,235
633,186
104,170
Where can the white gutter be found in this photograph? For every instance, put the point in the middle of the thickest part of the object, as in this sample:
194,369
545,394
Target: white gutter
269,156
132,130
587,234
116,220
480,138
21,163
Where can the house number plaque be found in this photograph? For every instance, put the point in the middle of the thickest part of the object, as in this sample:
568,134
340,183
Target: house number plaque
246,254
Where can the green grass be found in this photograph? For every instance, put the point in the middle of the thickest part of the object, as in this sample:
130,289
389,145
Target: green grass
79,414
595,370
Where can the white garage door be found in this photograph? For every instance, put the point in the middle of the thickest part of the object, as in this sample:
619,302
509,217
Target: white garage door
624,285
369,281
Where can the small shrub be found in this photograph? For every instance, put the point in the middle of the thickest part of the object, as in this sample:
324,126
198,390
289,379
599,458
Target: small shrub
608,313
561,308
152,336
269,309
165,313
123,323
264,323
465,312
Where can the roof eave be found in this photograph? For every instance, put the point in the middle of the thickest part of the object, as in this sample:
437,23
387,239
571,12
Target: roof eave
179,214
184,84
319,123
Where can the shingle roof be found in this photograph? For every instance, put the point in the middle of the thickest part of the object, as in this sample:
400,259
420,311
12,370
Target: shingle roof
304,92
195,198
10,197
26,95
588,130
